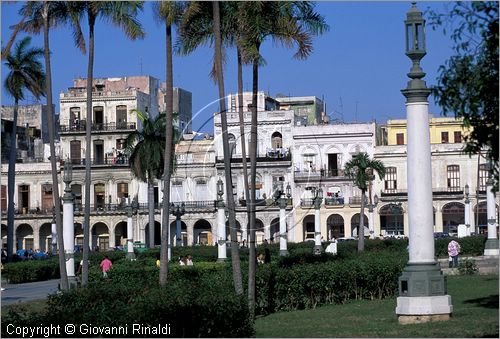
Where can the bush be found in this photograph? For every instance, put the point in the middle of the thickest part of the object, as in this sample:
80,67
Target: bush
467,267
31,270
473,246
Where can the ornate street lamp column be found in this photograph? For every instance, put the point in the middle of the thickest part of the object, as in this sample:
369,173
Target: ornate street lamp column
467,210
283,201
318,199
371,225
178,211
69,224
221,223
54,232
422,287
491,245
130,230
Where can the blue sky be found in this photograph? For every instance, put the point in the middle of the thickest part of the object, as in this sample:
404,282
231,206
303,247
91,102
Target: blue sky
358,67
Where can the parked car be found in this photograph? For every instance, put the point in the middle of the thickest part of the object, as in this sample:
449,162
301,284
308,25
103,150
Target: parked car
441,235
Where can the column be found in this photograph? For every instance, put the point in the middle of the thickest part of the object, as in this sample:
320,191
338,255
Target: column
54,237
317,224
370,221
190,235
112,238
467,216
36,238
491,245
283,231
130,233
221,232
69,235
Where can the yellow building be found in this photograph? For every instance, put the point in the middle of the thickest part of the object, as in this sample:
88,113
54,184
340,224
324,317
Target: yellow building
443,130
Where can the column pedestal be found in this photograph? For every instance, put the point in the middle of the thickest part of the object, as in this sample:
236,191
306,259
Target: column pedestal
283,232
317,232
221,233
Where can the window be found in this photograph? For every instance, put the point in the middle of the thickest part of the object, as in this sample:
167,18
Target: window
233,103
400,139
444,137
24,198
75,152
4,198
74,117
232,143
98,117
483,177
121,117
276,140
391,183
99,195
122,191
47,202
453,178
457,136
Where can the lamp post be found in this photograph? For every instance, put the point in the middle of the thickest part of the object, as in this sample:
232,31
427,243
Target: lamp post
370,216
491,245
53,230
318,198
221,223
178,211
282,202
69,224
131,210
422,286
467,210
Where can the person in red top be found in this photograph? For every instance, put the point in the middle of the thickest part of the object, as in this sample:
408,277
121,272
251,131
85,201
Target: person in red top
105,266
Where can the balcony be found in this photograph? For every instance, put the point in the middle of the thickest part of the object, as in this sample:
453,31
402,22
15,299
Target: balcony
356,201
79,127
307,203
394,193
448,191
334,202
106,161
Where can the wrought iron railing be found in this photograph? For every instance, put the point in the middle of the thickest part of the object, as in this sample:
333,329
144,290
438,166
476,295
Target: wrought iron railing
105,127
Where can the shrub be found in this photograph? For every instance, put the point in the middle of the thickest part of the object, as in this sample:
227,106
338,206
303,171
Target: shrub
31,270
473,245
467,267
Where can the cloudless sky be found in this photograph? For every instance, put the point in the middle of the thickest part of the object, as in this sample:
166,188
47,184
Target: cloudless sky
358,66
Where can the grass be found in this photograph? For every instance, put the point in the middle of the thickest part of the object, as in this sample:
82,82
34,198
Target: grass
475,314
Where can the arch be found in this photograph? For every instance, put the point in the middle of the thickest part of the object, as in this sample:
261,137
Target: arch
481,215
100,237
275,230
45,238
173,233
308,227
120,234
202,232
232,143
355,221
157,230
391,220
24,237
260,234
276,140
453,215
335,227
79,234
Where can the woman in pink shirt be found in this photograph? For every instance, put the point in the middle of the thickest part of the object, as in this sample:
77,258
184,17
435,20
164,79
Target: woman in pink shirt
105,266
453,250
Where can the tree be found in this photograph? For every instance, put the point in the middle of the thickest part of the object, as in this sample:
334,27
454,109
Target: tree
288,23
168,12
123,15
25,74
468,81
146,151
360,168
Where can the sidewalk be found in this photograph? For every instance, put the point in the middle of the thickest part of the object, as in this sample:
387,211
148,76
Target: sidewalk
16,293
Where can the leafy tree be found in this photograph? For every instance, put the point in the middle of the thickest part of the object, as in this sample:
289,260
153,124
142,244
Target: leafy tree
123,15
291,24
25,74
468,81
360,168
168,12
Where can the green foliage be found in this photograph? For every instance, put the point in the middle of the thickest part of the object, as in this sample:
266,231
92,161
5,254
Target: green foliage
361,169
468,246
31,270
468,81
467,267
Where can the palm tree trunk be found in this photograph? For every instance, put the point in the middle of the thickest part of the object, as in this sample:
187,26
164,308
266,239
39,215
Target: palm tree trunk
253,175
242,131
151,213
361,230
165,232
235,252
88,159
11,183
53,165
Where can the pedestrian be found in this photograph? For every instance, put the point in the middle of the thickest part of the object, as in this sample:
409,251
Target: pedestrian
105,266
158,260
453,251
189,260
182,261
260,258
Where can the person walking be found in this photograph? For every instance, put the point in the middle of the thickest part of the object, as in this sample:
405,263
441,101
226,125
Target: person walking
105,266
453,251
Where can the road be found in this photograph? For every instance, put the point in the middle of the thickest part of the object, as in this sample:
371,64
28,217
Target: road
16,293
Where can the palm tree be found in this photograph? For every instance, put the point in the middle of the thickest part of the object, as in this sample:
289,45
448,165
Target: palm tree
289,23
38,17
170,13
122,14
146,150
360,168
25,74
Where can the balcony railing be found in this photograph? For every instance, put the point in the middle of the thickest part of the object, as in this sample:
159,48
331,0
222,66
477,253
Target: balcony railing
306,202
394,192
357,201
448,190
334,201
97,127
110,161
267,158
321,174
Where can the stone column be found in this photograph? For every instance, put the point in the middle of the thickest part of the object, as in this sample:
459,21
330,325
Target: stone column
491,245
190,234
54,237
130,232
467,216
69,235
422,288
283,230
36,238
221,232
317,226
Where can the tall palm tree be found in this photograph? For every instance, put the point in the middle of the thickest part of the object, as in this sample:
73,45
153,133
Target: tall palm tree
360,168
235,255
168,12
123,15
289,23
146,151
25,74
37,17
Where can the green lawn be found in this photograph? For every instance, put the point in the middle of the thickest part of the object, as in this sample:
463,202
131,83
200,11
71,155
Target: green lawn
475,314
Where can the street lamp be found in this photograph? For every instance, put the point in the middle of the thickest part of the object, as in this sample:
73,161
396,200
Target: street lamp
371,206
221,223
178,211
69,224
220,189
282,202
318,198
